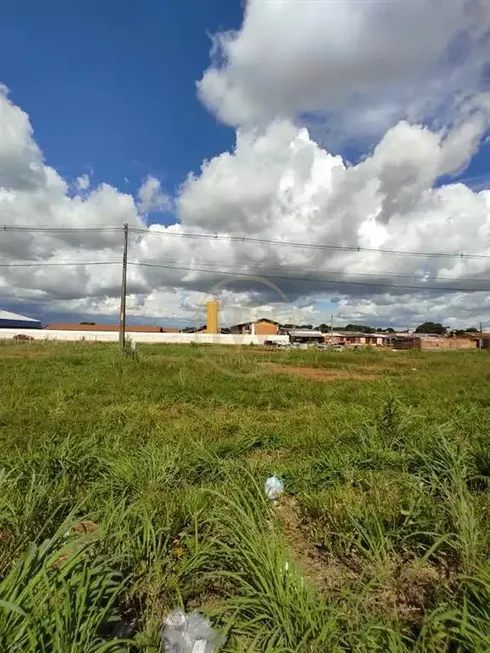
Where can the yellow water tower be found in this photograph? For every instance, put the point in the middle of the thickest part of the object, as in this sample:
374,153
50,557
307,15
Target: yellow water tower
212,317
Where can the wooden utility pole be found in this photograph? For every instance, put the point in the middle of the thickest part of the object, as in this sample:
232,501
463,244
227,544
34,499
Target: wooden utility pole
122,314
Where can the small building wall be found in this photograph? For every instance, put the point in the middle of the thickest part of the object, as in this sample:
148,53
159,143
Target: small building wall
354,340
169,338
376,340
462,343
259,328
447,343
266,329
431,343
402,343
334,340
136,328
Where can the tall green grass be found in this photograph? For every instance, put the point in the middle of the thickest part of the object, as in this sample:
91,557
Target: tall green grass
166,457
60,597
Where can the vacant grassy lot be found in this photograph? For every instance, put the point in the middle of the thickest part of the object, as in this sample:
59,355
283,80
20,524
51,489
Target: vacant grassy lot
129,488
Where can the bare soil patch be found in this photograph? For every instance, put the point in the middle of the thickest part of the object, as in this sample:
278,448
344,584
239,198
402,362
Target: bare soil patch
320,374
408,587
407,590
264,456
322,571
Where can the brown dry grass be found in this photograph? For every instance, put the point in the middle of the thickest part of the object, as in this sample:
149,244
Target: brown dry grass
320,374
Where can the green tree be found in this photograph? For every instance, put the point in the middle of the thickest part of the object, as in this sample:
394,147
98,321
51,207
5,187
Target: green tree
362,328
431,327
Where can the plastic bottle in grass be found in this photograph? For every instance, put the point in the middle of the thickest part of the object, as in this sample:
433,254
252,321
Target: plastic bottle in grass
189,633
273,488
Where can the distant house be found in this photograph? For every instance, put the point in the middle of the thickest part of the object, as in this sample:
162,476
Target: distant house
346,337
261,327
405,342
354,337
482,340
431,342
137,328
202,329
306,336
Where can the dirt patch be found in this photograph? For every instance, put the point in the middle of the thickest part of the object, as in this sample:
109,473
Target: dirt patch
318,569
415,586
405,592
5,535
408,589
264,456
80,534
84,526
320,374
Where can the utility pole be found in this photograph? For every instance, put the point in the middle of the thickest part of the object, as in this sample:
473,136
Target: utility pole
331,325
122,314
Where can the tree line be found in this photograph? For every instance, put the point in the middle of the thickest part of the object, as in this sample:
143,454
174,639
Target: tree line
435,328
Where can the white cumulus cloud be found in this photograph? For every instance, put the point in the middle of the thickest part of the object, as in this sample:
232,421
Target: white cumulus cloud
356,63
83,182
151,197
365,63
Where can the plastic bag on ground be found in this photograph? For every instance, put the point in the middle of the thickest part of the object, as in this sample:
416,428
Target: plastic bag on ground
189,633
273,488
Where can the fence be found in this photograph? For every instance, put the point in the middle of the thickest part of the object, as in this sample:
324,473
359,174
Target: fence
113,336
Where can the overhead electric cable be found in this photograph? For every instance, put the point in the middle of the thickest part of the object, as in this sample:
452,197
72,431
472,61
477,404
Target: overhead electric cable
287,243
310,279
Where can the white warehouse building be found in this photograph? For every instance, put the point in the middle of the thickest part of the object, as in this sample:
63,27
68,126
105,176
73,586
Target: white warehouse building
13,321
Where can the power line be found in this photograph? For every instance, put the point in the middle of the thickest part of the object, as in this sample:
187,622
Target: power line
239,273
267,270
248,239
310,280
286,243
32,264
40,229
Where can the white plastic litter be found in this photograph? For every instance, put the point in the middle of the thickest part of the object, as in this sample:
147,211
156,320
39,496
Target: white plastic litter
273,487
193,633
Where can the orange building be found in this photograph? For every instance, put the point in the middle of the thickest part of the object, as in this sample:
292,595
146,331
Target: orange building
262,327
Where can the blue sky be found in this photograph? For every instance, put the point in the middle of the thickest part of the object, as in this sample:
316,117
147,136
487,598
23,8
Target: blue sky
110,85
110,88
